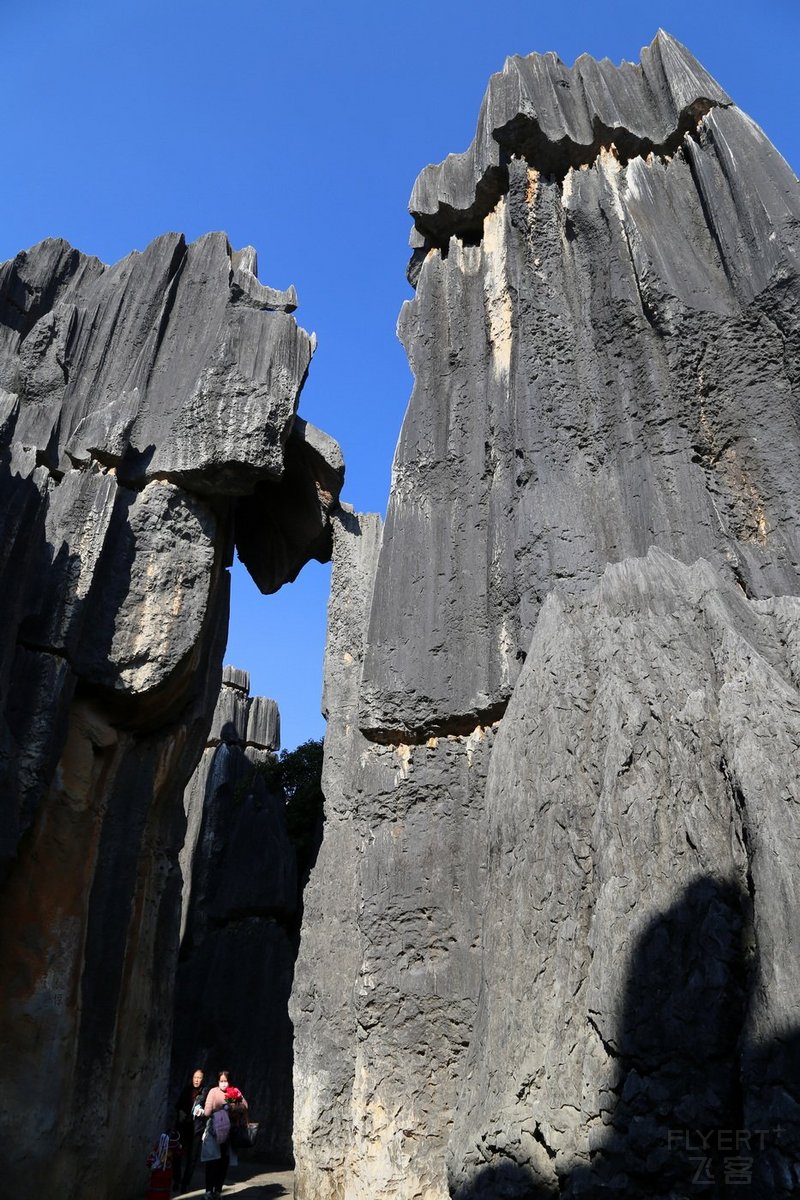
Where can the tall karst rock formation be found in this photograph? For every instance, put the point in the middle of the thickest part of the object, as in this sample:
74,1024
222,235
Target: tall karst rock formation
147,424
240,918
551,939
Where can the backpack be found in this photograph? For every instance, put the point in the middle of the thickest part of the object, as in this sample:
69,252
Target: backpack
222,1125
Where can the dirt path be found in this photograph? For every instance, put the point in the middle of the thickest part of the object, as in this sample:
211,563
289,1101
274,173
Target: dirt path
248,1181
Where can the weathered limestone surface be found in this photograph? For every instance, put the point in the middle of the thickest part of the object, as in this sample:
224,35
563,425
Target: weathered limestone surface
323,1004
639,959
570,798
147,416
240,917
609,370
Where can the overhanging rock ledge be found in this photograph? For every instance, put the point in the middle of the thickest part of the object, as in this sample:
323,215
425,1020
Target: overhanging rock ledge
147,423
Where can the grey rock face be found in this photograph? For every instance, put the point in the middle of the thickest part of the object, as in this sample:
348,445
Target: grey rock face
643,791
562,117
235,677
239,927
324,1002
588,411
142,407
240,718
162,365
567,947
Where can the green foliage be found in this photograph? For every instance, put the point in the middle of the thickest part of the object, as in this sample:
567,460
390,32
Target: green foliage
301,768
244,787
298,774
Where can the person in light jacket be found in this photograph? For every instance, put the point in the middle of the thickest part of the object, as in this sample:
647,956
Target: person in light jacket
217,1168
237,1110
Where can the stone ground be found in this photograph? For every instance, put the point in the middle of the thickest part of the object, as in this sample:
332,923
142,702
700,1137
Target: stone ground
248,1181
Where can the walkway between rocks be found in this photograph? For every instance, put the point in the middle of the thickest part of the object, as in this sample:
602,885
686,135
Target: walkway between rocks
248,1181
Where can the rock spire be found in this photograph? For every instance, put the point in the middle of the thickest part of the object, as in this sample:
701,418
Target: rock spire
559,875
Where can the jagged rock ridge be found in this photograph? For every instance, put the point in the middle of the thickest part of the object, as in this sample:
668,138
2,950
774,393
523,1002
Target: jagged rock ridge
588,414
558,118
147,424
565,773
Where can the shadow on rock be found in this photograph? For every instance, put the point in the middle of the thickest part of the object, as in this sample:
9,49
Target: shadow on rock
262,1191
693,1108
676,1076
505,1181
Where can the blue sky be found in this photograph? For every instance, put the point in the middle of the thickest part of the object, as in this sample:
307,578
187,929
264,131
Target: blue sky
299,128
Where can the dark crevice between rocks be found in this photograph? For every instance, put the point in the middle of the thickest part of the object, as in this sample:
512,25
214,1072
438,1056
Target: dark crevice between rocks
235,965
44,459
741,579
255,826
252,913
742,829
648,311
30,643
523,137
711,224
174,271
747,962
539,1137
714,460
609,1049
458,725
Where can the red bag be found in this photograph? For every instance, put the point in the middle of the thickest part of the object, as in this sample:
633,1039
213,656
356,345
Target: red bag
160,1184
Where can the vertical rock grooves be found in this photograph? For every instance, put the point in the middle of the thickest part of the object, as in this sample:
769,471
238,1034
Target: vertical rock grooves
147,423
558,118
524,138
558,944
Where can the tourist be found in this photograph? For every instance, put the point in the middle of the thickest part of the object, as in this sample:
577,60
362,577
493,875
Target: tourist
217,1168
237,1111
190,1126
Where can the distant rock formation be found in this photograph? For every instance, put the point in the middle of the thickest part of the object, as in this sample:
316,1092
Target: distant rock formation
240,917
549,943
147,424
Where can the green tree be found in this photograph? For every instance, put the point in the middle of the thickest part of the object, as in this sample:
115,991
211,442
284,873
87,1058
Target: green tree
298,774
